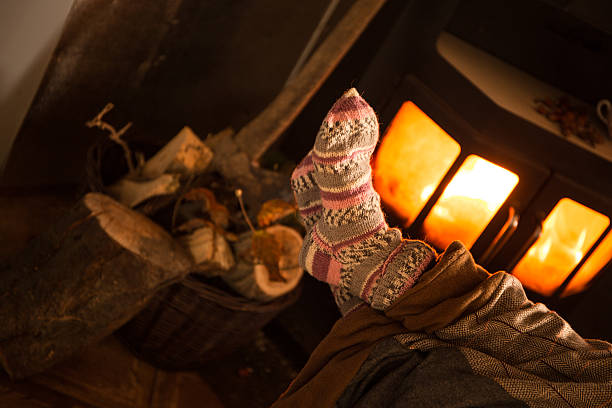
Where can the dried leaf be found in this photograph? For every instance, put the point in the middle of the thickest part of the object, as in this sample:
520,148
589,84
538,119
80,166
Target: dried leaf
219,214
267,251
274,210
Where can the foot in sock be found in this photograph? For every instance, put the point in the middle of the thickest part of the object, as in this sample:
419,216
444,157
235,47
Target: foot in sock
306,192
348,243
308,198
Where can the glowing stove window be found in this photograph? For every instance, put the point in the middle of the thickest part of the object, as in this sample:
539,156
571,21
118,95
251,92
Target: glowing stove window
412,159
596,262
567,234
469,202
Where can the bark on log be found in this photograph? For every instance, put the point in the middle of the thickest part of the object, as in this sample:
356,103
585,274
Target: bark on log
81,280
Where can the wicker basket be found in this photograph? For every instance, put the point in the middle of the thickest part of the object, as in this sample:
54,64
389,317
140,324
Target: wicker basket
192,322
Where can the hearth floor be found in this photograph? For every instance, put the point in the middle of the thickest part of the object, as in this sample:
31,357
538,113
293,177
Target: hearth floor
107,375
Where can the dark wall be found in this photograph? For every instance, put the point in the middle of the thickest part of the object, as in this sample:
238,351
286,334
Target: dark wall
164,64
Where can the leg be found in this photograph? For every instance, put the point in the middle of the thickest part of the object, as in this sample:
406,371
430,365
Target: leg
350,245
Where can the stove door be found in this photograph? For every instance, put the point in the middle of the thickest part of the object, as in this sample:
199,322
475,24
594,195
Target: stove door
443,180
563,241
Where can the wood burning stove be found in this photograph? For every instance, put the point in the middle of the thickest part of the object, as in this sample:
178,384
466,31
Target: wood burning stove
456,80
503,206
465,155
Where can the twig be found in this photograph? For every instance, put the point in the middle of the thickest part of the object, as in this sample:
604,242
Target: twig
179,201
114,135
238,193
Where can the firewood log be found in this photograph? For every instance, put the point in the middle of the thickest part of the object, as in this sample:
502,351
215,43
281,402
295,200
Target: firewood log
210,251
185,154
78,282
252,280
236,167
133,192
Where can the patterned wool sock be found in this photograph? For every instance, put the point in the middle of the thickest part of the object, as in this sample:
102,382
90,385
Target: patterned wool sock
306,192
308,198
350,245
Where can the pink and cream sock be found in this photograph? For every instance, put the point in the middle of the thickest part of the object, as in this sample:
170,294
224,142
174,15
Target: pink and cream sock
308,198
348,243
306,192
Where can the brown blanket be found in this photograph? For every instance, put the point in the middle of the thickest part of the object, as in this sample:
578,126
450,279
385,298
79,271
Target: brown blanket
458,304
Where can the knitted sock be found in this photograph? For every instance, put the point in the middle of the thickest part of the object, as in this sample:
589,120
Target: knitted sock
306,192
350,245
308,198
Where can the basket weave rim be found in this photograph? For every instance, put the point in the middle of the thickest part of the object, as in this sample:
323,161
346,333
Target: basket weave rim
233,302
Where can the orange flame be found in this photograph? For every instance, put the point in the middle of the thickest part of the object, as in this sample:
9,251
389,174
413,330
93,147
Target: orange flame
414,156
567,234
411,161
469,202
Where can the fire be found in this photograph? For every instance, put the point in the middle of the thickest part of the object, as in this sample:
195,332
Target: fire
598,259
413,157
469,202
567,234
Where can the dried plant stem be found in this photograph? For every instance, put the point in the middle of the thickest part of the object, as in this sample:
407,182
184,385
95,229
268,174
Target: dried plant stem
179,201
238,193
114,135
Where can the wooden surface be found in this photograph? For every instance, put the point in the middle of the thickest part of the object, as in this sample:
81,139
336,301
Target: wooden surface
253,376
28,212
81,280
107,375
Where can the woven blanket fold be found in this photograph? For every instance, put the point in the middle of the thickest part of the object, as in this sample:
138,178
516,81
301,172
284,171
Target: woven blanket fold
452,300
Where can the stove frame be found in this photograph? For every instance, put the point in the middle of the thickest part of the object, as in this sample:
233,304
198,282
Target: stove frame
408,67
